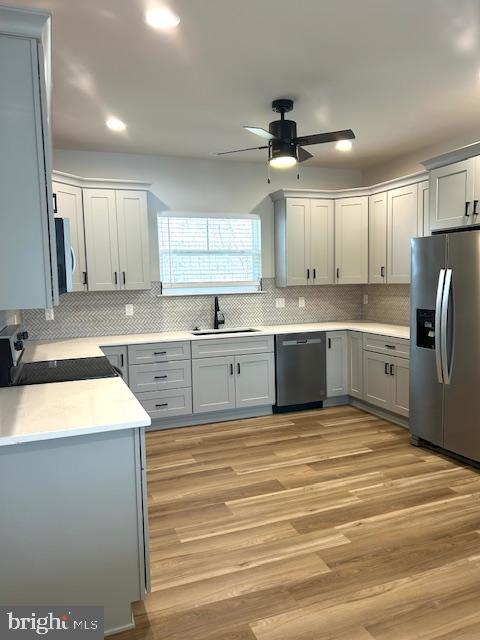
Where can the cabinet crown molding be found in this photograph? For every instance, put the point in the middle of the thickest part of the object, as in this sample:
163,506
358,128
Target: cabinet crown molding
456,155
100,183
335,194
20,21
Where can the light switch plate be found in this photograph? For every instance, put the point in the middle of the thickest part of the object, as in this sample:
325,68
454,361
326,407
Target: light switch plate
49,314
365,298
279,303
129,309
301,302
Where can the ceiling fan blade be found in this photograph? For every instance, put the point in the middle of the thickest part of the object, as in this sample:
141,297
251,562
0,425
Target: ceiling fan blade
331,136
223,153
263,133
303,154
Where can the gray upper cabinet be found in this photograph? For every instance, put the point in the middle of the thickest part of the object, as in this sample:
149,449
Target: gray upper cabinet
304,244
27,232
453,195
402,226
116,236
213,384
351,240
377,231
254,380
68,200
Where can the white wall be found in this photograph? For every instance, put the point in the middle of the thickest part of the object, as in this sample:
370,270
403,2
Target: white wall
217,185
410,163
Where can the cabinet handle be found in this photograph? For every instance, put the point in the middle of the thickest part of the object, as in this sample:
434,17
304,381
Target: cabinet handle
159,353
116,278
467,204
308,274
386,368
392,369
85,280
475,212
55,209
238,368
329,343
164,404
314,274
390,346
231,369
124,277
382,272
122,360
160,377
338,272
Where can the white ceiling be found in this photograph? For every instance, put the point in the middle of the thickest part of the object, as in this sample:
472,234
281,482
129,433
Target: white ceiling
402,74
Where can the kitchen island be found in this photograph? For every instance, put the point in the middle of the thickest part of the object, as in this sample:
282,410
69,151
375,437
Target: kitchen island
73,529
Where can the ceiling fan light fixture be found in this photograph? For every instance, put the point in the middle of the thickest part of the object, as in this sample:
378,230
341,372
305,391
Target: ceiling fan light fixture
282,155
283,162
344,145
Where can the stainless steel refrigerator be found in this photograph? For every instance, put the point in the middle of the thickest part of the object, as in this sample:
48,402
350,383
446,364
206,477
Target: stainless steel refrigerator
445,342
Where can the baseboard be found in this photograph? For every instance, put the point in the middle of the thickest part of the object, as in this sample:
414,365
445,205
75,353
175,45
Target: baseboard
207,418
386,415
336,402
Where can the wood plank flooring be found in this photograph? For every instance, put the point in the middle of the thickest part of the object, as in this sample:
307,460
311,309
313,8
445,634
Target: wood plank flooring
321,525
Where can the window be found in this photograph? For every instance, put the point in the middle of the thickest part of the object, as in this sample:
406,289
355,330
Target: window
209,253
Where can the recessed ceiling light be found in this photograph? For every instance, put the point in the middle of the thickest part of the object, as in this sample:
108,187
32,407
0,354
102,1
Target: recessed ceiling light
344,145
161,18
115,124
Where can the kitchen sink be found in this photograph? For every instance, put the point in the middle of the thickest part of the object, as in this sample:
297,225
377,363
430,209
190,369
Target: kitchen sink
219,332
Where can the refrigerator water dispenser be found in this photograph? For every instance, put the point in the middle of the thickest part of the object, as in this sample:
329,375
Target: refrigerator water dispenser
426,328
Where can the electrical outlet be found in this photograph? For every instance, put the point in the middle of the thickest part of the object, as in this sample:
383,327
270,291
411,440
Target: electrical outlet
49,314
129,309
301,302
365,298
279,303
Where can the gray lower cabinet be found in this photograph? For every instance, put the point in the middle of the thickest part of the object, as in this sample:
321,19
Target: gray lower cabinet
386,382
158,377
166,404
117,356
400,386
355,364
213,384
336,363
254,380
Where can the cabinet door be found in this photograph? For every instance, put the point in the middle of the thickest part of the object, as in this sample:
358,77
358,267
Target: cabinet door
101,239
254,380
423,209
336,363
351,240
69,205
117,356
355,364
377,380
451,188
377,232
400,370
213,384
402,223
133,242
297,216
321,235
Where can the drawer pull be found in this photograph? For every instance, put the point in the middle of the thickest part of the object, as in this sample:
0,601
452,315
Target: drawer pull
159,353
390,346
392,369
165,404
160,377
386,368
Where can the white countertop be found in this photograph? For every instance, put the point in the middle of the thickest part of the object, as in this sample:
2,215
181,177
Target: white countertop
46,411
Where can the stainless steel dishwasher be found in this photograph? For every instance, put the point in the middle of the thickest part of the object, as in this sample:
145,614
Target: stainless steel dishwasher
300,370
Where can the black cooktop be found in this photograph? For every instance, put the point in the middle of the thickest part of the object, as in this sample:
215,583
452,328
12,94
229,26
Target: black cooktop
65,370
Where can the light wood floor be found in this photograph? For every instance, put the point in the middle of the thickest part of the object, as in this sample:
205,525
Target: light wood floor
323,525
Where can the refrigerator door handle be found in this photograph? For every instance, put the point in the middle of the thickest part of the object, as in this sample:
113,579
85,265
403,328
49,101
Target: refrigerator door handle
438,325
443,322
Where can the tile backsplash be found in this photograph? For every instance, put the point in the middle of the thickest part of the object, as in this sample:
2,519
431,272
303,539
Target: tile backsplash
103,313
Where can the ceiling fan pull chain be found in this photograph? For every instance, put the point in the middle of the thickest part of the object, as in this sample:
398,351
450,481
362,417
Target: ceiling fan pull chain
268,172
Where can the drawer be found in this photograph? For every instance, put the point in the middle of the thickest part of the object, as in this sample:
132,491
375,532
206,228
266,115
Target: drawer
156,377
383,344
158,352
231,346
166,404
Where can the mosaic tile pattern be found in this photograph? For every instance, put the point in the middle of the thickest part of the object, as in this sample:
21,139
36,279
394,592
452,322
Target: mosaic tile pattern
103,313
387,303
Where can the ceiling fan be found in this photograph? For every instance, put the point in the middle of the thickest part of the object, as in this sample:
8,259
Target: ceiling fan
285,149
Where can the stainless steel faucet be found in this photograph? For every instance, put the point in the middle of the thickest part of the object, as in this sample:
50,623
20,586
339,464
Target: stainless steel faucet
218,317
